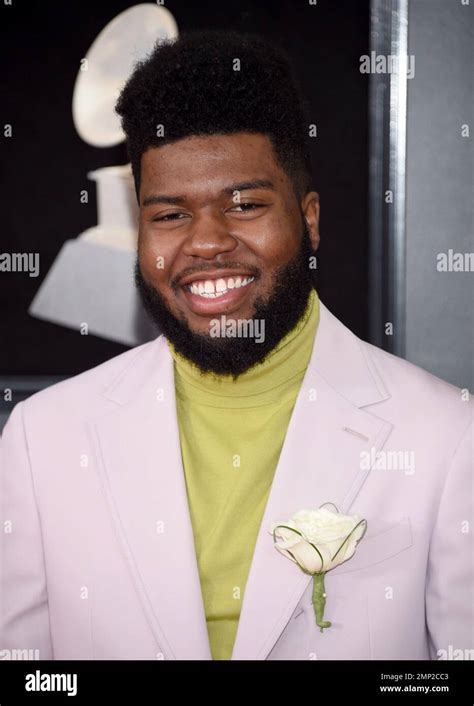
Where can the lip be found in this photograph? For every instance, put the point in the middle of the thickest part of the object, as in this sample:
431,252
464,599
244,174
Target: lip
225,304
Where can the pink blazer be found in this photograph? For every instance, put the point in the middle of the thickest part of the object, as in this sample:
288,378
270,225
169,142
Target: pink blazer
97,556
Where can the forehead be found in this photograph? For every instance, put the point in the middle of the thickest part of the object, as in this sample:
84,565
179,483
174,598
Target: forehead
212,159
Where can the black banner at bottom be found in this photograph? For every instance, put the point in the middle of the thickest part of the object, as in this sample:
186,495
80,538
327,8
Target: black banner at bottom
25,682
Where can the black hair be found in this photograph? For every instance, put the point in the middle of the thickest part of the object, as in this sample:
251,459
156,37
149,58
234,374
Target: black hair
217,82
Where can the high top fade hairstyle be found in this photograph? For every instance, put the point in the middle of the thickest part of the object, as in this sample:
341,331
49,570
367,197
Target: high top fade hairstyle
214,82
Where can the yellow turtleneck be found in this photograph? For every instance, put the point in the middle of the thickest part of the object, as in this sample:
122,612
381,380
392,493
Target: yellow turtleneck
231,435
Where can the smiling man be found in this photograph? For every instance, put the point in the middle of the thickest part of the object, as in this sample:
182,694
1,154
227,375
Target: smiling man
139,498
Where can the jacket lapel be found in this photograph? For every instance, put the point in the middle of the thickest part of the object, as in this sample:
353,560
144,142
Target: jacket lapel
319,463
139,459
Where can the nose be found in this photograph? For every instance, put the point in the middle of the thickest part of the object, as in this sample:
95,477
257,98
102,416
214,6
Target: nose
209,236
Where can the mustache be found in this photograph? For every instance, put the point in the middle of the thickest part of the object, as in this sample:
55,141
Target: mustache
215,267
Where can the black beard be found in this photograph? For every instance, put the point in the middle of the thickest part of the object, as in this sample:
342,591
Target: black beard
233,356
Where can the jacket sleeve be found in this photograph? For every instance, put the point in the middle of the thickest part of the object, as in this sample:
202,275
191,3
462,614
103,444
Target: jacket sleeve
24,615
450,579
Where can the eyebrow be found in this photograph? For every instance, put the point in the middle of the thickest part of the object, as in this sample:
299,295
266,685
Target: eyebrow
154,199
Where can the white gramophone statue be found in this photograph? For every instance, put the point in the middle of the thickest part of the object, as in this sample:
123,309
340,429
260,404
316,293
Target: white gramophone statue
91,280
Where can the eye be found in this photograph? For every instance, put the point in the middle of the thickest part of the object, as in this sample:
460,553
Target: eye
248,206
168,217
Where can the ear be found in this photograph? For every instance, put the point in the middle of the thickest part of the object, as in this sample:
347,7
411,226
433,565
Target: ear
310,209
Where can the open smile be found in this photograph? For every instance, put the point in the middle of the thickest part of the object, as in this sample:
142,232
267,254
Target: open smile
216,294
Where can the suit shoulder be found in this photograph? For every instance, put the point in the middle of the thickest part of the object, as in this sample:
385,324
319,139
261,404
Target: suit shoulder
92,382
405,379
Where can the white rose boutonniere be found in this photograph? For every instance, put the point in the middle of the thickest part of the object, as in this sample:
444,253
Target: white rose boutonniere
318,541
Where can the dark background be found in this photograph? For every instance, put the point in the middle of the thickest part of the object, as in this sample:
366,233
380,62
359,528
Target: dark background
43,167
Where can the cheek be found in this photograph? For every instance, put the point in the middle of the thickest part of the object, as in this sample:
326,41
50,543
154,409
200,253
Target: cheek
156,256
277,247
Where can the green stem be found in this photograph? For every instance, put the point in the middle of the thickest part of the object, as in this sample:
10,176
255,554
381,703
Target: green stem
319,600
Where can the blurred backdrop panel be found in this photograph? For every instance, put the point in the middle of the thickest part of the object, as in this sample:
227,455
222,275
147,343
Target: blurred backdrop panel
421,184
440,242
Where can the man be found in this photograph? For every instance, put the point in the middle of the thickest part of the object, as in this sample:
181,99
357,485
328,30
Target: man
140,497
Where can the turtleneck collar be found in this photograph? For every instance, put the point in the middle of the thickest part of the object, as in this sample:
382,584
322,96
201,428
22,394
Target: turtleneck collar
265,382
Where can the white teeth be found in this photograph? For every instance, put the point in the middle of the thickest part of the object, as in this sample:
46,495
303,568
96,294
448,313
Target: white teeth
211,289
